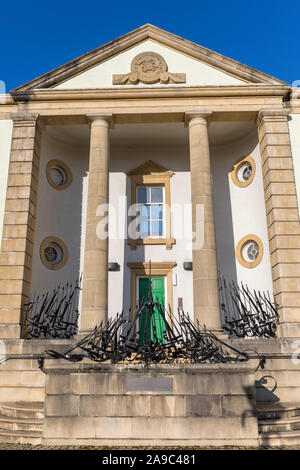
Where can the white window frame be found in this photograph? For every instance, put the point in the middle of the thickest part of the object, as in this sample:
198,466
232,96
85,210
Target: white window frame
145,236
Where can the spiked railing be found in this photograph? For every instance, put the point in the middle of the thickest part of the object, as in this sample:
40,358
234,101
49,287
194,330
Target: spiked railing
163,339
53,314
247,313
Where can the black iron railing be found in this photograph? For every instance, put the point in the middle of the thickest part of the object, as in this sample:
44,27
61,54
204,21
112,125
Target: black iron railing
151,334
247,313
53,314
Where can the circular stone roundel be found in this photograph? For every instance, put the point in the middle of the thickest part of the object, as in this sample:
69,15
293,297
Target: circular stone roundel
148,67
53,253
249,251
243,172
58,174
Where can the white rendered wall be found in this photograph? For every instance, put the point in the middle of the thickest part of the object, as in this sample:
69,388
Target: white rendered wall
6,126
60,213
197,73
239,212
294,128
124,159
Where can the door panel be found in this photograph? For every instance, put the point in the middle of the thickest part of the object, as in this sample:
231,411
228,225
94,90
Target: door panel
157,327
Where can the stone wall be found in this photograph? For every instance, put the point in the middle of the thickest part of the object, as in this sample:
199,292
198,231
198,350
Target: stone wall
134,404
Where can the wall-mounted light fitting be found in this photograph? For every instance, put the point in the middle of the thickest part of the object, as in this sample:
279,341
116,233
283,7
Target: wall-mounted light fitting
188,265
113,267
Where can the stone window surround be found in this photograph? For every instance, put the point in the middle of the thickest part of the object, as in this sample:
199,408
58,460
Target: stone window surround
236,167
64,250
239,251
151,174
58,164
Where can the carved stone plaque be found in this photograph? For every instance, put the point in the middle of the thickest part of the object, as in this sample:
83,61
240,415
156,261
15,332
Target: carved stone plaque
149,384
148,67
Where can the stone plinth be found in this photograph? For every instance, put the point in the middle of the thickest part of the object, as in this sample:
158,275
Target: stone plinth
165,405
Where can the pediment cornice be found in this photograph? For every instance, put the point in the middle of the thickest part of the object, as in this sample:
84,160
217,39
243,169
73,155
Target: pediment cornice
150,168
133,38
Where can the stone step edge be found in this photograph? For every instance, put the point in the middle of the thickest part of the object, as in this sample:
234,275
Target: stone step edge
279,421
17,433
24,405
12,419
279,434
17,414
270,407
20,407
288,415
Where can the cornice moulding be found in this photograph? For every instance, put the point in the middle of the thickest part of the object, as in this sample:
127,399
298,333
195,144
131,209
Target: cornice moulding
138,93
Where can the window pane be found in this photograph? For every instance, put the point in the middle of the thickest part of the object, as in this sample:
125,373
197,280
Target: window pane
157,228
145,211
157,211
142,195
145,229
156,194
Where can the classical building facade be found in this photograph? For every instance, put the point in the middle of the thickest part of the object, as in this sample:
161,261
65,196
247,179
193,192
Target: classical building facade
204,149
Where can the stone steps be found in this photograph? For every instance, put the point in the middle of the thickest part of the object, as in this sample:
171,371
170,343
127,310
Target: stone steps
20,437
279,438
289,424
31,410
279,424
21,422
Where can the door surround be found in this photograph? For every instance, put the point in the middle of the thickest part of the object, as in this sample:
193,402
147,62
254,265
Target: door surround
157,269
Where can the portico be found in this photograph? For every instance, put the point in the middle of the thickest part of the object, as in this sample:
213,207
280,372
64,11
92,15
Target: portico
127,133
150,149
97,137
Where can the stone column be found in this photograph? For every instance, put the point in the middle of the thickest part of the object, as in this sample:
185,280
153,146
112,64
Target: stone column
19,223
95,274
282,216
205,272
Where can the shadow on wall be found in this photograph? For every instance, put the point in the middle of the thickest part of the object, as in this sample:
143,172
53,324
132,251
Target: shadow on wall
265,387
223,157
139,256
263,390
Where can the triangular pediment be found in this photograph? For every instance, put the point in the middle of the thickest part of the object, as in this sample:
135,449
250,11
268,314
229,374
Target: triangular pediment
150,168
188,64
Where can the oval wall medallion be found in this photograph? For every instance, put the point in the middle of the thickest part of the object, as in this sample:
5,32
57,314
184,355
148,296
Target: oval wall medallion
243,172
58,175
249,251
54,253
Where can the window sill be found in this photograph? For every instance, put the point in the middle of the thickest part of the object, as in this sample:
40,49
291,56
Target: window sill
169,242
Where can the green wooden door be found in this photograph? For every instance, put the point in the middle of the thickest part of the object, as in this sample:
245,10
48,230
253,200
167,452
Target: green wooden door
157,327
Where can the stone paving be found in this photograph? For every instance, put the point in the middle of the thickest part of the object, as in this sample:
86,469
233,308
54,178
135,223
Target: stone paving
13,446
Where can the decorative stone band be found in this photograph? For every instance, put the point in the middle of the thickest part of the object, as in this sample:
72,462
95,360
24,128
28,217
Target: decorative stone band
282,215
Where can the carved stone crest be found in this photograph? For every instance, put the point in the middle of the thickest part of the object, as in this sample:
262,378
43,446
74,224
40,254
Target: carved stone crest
148,67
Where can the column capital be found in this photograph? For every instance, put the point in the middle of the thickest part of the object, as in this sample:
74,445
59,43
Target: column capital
27,120
24,117
271,115
201,114
94,117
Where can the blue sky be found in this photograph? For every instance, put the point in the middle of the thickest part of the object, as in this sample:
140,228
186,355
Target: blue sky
36,36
